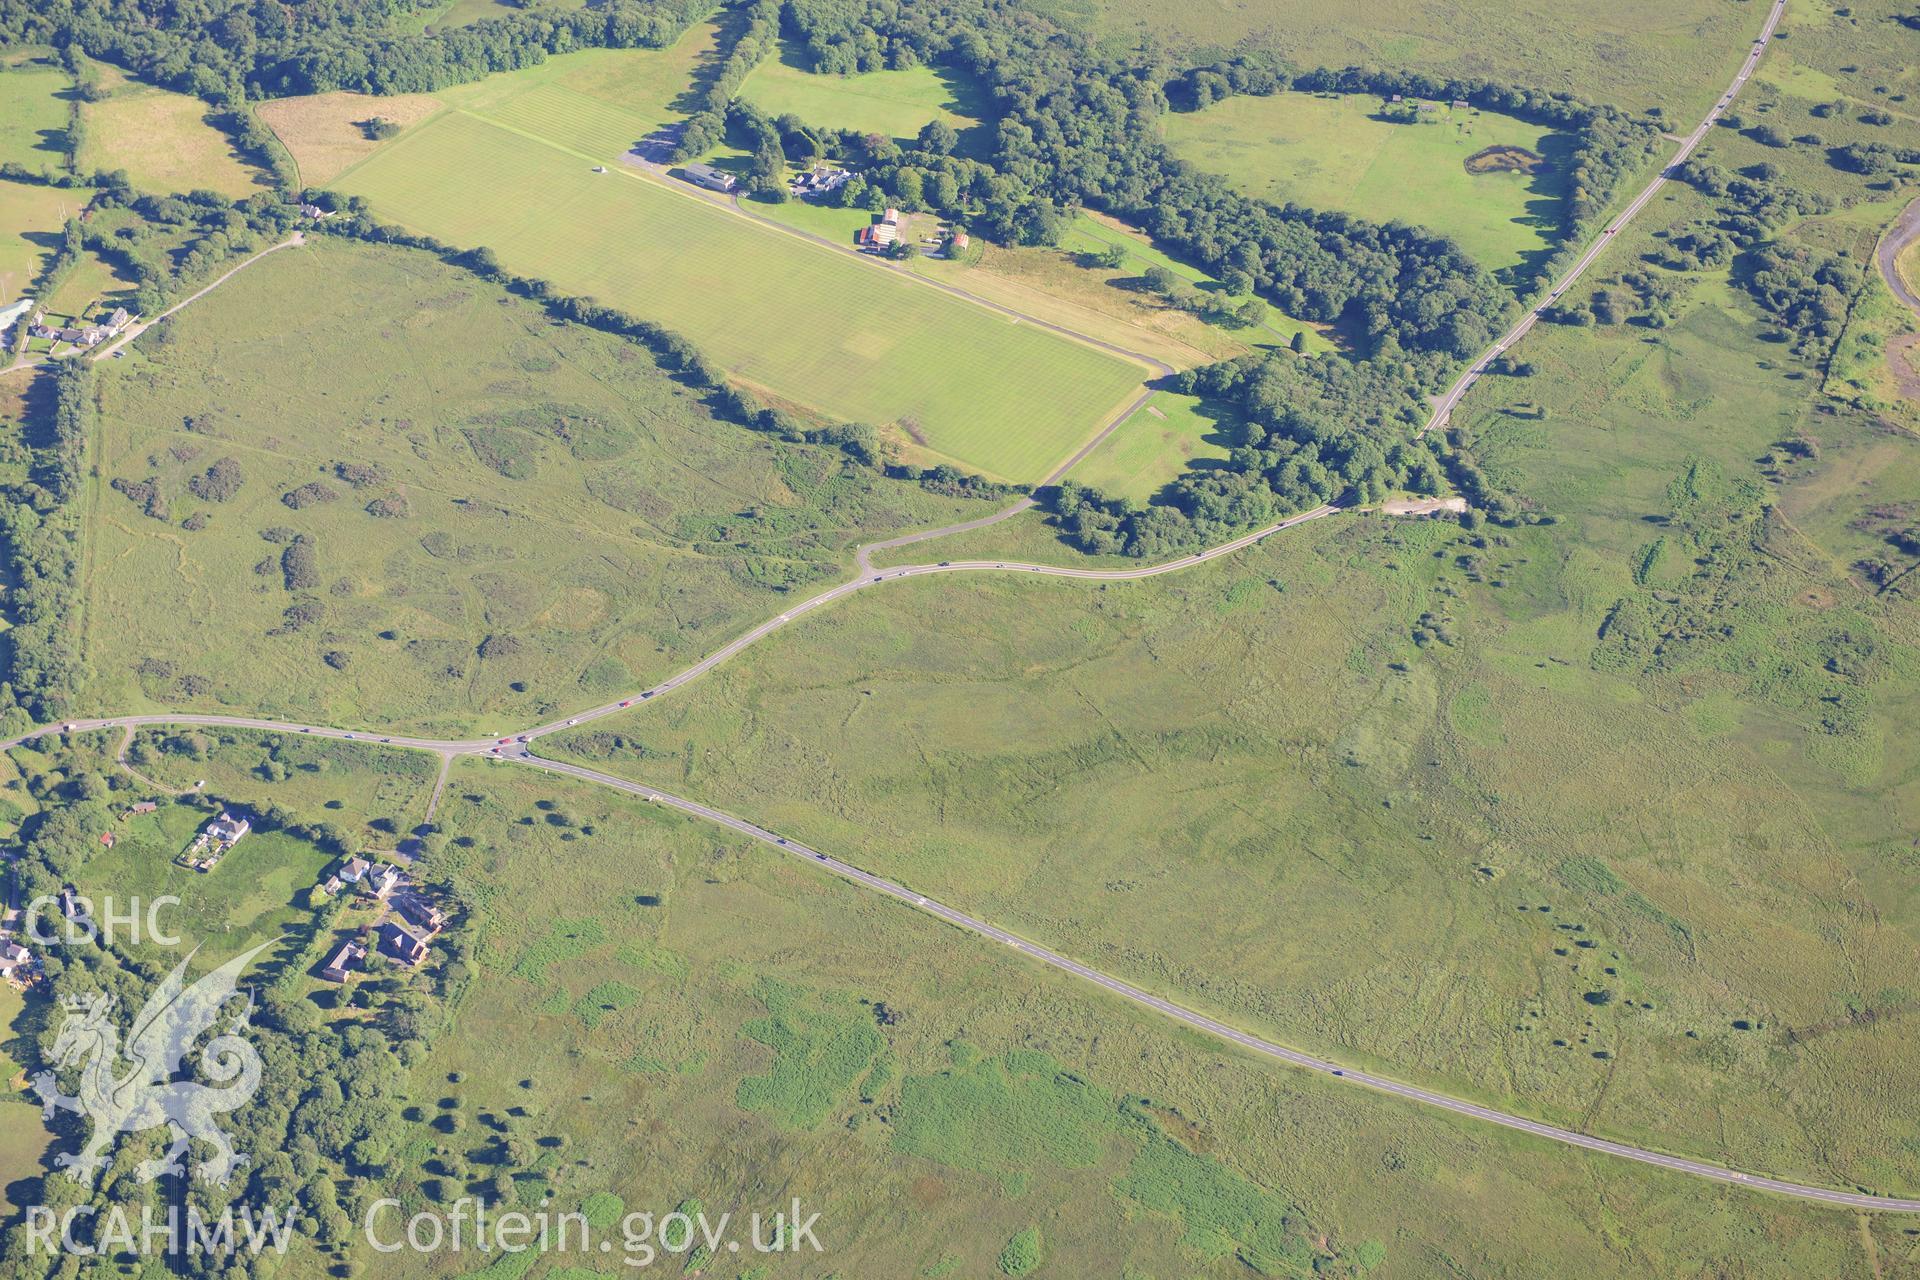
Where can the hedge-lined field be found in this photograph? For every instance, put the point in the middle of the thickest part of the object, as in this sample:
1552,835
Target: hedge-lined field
419,501
798,322
1333,152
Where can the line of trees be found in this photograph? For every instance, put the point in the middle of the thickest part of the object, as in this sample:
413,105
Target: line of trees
673,351
759,37
40,526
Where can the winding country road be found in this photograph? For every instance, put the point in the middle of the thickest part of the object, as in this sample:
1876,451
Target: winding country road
1904,231
516,748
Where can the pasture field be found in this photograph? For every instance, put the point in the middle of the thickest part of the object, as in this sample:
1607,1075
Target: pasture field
1169,436
161,139
324,132
599,101
33,110
803,323
24,1138
716,1025
894,104
1092,233
259,890
1065,286
502,516
1596,819
12,1074
1328,151
93,283
30,221
1636,54
376,794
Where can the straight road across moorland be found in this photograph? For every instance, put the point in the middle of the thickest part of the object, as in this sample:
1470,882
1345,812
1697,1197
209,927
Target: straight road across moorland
1444,407
1213,1026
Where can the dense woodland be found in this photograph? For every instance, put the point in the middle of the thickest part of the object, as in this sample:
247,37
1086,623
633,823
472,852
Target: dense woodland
229,52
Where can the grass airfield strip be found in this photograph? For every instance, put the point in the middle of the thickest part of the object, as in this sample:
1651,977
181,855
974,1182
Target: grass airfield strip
841,337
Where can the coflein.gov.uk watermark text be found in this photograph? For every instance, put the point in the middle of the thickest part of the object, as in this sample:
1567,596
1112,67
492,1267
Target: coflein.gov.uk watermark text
640,1238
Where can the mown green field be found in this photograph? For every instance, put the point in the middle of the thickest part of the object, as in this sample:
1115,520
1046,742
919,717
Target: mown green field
802,323
33,110
719,1026
30,222
894,104
1638,54
511,517
1329,152
1597,818
1170,435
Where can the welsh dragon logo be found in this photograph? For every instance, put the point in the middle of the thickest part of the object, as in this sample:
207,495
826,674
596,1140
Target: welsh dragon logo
143,1094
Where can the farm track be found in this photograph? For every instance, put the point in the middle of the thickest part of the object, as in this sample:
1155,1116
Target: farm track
517,749
140,327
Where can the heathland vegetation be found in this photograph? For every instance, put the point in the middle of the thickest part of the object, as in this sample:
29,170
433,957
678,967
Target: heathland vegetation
1599,782
759,1023
524,515
1588,804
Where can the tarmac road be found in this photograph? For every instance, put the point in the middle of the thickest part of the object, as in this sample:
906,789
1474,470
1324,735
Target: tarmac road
520,753
1904,231
1444,407
1212,1026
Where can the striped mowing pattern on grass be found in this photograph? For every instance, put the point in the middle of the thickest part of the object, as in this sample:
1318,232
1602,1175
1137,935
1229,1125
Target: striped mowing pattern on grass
574,119
806,324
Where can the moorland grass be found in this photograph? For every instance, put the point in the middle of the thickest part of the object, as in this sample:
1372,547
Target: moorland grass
1637,54
1329,151
1353,785
800,322
819,1053
377,794
509,516
1014,1096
